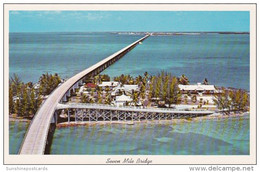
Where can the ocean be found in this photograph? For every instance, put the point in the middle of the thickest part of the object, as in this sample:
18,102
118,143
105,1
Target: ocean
221,58
227,136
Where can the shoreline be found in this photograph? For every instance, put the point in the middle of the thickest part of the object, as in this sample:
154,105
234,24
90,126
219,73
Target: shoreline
174,121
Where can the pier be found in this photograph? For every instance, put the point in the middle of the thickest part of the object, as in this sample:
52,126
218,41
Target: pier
36,137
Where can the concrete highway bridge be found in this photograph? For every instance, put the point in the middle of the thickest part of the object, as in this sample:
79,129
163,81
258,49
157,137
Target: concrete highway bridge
35,139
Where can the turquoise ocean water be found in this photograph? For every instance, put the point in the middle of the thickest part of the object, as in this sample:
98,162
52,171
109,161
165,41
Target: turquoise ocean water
203,137
222,58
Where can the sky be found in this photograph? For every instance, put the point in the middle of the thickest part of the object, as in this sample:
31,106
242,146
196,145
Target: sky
147,21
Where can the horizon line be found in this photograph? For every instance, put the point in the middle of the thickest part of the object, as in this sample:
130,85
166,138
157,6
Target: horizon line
131,31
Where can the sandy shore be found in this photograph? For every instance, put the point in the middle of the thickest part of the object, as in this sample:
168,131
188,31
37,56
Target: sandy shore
174,121
19,119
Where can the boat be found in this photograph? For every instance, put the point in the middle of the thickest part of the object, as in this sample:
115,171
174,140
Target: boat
140,43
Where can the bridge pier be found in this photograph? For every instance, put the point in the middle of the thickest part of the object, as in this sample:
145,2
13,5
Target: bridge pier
76,115
80,82
64,99
68,94
68,116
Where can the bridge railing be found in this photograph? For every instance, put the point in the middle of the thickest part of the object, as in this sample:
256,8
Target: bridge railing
80,105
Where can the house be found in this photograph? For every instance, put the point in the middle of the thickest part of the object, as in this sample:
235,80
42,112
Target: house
36,86
110,84
203,93
122,100
125,88
197,89
90,85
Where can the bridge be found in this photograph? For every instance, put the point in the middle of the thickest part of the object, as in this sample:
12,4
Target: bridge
100,112
36,136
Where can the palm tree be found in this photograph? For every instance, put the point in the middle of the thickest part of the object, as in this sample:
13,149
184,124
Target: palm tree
184,80
205,82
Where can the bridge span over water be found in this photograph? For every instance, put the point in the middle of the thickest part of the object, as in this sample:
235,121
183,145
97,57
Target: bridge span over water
81,112
37,133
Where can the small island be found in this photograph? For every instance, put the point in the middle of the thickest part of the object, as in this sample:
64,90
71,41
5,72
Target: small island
161,91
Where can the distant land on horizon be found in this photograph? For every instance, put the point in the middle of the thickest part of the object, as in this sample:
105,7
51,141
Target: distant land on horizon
153,33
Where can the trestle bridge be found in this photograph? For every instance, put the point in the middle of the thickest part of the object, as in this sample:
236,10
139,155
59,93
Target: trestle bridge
81,112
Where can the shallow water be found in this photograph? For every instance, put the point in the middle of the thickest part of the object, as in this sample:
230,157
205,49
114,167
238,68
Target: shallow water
205,137
16,134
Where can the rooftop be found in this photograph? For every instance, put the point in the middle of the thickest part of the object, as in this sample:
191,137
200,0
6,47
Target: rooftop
123,98
196,87
109,84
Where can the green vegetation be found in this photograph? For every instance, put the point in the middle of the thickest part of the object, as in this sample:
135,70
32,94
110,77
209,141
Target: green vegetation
162,87
24,99
48,83
232,101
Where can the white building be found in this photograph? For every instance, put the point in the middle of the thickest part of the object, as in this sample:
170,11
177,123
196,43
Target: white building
125,88
197,88
110,84
122,100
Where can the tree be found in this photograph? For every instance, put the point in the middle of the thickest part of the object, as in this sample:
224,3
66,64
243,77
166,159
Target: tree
165,93
99,97
158,87
84,99
239,100
48,83
142,90
184,80
108,100
223,101
24,103
174,93
17,107
11,101
32,105
205,82
135,97
15,82
105,77
151,87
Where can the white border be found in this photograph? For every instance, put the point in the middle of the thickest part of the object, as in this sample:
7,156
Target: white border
98,159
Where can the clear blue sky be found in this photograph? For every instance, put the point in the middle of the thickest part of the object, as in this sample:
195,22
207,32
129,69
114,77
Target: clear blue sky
84,21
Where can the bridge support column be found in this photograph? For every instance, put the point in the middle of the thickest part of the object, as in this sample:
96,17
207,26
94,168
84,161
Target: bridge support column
68,116
77,85
80,82
64,99
68,93
76,115
56,117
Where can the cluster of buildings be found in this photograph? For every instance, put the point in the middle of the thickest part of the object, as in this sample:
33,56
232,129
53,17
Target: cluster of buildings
121,93
205,93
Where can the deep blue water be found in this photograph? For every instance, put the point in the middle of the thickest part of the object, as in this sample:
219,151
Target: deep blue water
221,58
32,54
